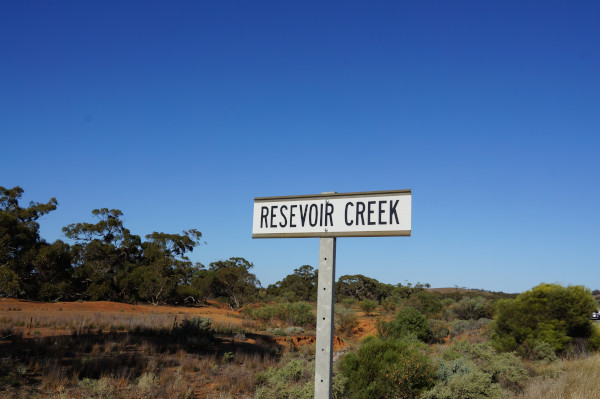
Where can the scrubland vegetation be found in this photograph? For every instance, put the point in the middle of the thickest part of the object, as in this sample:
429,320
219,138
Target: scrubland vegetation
229,337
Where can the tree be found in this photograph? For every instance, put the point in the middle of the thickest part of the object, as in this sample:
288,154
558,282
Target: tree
27,262
299,286
233,280
199,288
54,271
360,287
164,265
547,313
104,253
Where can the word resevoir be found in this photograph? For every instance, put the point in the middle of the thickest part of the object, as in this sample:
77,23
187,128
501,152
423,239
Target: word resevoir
356,213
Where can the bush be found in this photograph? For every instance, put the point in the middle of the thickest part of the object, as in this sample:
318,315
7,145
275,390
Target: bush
462,379
276,331
459,326
265,313
367,306
543,351
408,321
298,314
198,326
549,313
426,302
345,321
471,308
388,305
387,368
439,331
477,372
504,369
196,332
9,282
294,330
293,380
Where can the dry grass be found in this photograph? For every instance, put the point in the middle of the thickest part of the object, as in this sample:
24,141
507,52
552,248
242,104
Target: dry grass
129,366
81,354
566,379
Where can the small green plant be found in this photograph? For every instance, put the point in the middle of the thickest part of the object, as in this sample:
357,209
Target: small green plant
439,331
298,314
367,306
348,302
276,331
346,320
196,332
147,382
294,379
459,326
198,326
388,305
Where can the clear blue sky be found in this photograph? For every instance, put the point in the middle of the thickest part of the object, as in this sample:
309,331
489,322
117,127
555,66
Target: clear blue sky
180,113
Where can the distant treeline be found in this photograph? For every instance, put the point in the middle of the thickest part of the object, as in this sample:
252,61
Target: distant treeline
104,261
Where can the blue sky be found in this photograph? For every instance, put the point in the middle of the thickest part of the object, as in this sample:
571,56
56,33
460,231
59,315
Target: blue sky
180,113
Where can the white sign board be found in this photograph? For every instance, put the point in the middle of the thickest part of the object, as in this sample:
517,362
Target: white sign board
368,214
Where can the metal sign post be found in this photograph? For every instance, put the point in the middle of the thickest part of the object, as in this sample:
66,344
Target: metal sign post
325,318
328,216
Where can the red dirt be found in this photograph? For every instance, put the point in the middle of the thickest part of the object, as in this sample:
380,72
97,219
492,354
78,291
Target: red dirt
301,340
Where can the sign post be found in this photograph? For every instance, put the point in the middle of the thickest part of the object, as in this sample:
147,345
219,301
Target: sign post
328,216
325,318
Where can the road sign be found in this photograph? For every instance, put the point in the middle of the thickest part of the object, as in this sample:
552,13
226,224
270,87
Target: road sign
367,214
328,216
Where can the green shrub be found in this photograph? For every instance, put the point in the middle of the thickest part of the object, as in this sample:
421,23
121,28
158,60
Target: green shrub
345,320
438,331
294,379
265,313
199,326
408,321
466,382
367,306
196,332
504,369
294,330
276,331
348,302
471,308
9,282
549,313
392,368
543,351
426,302
388,305
299,314
594,340
460,326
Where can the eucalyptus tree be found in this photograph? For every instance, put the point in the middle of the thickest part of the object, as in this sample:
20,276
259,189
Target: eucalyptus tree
104,253
29,266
